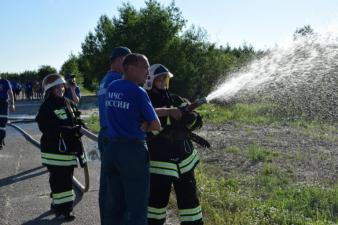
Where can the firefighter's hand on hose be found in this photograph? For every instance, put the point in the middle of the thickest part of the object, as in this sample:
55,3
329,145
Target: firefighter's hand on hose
175,113
150,126
80,154
82,123
68,130
192,120
82,160
77,129
144,126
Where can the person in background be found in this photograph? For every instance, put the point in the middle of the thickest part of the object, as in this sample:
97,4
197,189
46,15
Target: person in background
29,90
39,90
172,155
114,73
124,181
72,89
18,91
6,101
14,86
61,145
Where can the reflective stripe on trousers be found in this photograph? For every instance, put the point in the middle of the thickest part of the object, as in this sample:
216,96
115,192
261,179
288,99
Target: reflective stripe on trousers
58,159
189,215
63,197
156,213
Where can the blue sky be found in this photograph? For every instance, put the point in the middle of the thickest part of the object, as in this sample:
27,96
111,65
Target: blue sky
46,32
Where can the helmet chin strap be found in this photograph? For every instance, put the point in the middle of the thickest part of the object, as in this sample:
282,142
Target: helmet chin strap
164,93
160,90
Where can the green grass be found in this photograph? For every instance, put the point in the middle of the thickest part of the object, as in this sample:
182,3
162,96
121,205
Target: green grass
255,113
85,91
93,123
270,197
262,114
233,149
256,154
317,130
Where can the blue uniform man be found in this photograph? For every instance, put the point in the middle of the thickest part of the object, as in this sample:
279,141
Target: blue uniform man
115,73
124,182
6,98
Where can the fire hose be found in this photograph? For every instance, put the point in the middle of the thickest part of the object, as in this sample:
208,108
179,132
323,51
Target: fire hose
82,187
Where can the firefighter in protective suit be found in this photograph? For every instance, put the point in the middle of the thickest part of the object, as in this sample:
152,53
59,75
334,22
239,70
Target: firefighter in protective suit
61,145
172,156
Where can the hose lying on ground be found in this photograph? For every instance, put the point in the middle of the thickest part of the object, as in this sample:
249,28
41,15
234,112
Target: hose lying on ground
89,134
83,188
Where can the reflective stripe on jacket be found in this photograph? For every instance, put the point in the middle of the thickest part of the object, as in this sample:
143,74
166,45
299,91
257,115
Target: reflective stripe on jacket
60,143
174,169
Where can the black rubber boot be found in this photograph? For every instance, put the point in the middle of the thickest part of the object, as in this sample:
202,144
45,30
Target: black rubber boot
65,216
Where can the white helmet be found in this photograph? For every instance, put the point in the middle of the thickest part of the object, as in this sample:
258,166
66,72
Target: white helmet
52,80
156,70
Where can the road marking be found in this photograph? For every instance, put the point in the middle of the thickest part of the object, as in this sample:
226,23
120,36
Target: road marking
5,156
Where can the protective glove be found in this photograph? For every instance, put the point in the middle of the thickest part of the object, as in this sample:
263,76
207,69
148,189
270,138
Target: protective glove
71,131
77,131
77,128
82,159
82,123
192,120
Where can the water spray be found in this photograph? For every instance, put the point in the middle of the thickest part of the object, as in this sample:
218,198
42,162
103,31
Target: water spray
298,80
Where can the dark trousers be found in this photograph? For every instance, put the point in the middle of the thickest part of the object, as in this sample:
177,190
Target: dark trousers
186,196
3,119
60,180
103,140
124,183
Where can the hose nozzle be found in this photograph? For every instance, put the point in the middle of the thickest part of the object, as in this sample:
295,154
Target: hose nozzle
197,104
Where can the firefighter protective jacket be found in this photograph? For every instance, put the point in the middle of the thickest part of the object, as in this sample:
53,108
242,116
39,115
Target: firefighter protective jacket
60,141
171,151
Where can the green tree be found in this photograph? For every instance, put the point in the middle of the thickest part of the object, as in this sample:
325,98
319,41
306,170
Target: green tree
70,66
148,31
93,62
157,32
44,71
9,76
28,75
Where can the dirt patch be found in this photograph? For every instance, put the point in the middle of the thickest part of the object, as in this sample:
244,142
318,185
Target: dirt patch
310,155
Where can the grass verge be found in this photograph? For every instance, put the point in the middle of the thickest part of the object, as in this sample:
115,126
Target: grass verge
269,197
262,114
93,123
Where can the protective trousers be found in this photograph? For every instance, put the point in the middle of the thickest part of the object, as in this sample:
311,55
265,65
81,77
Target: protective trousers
186,194
124,183
60,180
3,119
